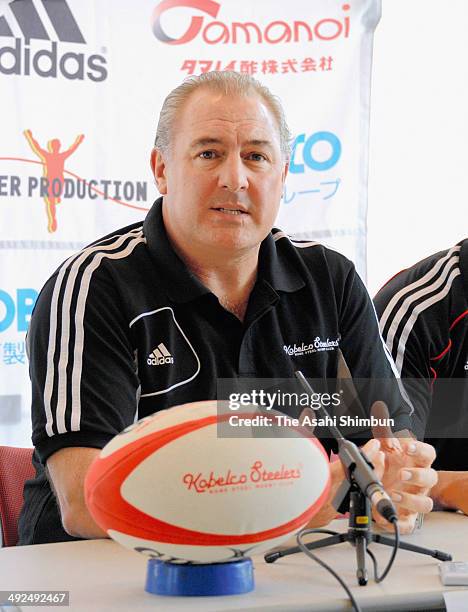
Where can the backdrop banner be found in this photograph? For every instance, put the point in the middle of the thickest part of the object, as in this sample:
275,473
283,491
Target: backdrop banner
82,84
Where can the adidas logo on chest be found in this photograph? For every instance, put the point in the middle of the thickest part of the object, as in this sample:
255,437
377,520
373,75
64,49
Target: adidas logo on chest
160,356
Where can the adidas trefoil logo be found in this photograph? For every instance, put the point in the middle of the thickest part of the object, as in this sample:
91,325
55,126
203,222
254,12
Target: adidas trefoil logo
160,356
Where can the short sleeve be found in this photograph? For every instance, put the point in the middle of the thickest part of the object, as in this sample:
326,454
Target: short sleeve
409,339
82,366
366,355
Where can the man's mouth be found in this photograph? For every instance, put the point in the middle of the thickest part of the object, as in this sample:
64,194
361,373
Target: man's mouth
231,211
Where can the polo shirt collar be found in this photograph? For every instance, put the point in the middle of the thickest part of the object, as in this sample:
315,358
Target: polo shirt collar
275,267
179,283
182,286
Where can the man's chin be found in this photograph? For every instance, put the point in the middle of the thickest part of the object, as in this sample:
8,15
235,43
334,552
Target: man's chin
231,241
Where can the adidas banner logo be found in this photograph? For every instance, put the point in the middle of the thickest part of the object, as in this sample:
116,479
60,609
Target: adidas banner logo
160,356
41,32
29,21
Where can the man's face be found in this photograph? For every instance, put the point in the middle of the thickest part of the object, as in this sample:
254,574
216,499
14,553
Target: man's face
223,176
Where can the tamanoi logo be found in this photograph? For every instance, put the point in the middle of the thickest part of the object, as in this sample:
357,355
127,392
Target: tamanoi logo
53,187
25,21
214,32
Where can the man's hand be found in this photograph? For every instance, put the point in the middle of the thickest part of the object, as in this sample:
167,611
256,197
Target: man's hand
408,476
327,513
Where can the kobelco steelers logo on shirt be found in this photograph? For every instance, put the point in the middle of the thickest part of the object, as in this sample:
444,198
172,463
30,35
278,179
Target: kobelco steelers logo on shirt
318,345
160,356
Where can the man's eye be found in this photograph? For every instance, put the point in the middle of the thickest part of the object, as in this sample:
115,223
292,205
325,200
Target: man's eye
256,156
207,155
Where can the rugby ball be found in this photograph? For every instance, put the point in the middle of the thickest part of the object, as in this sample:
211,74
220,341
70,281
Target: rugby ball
170,487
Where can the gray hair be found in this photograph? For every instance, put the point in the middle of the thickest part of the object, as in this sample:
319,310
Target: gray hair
227,83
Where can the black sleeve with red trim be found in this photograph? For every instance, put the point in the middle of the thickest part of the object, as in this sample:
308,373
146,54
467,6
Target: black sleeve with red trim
101,401
416,335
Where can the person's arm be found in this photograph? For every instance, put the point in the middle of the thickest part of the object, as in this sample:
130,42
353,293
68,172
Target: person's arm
79,139
410,340
33,142
371,368
451,491
418,343
66,471
84,383
367,358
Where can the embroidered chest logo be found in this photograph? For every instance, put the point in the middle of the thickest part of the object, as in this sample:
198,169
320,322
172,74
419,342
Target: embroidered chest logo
317,346
160,356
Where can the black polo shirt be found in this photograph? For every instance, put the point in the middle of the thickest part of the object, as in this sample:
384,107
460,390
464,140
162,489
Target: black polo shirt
424,320
123,329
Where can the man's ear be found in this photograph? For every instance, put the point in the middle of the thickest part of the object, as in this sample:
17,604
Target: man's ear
285,171
158,166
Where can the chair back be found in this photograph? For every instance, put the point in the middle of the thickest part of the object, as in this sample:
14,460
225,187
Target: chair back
15,468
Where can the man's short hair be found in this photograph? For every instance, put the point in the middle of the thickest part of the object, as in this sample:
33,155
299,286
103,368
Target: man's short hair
227,83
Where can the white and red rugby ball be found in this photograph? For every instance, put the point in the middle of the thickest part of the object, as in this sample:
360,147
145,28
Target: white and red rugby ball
170,488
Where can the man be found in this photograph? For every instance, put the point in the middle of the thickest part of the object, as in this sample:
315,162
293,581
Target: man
152,315
424,320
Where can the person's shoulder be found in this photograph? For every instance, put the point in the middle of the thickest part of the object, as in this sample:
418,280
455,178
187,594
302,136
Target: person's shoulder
96,259
314,254
432,277
113,247
116,241
464,255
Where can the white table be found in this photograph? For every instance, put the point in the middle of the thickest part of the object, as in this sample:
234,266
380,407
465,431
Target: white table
101,575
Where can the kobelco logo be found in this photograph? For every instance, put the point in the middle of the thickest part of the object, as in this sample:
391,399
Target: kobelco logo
274,32
22,17
313,347
201,483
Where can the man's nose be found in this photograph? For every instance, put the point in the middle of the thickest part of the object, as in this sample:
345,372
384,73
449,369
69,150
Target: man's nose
233,174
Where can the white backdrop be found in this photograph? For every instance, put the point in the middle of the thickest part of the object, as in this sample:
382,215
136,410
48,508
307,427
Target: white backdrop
419,127
82,83
418,201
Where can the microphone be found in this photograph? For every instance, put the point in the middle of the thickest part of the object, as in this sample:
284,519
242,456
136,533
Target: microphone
357,465
364,475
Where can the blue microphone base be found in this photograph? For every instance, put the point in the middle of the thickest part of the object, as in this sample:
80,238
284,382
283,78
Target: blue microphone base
211,579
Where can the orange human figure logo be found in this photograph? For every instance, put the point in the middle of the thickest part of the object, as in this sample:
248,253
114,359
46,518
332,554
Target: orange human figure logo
53,161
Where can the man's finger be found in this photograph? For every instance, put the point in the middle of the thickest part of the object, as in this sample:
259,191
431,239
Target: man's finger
383,431
407,523
423,454
311,416
412,502
420,477
371,447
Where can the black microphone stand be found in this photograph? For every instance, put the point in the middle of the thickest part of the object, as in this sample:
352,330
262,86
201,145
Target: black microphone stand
359,532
